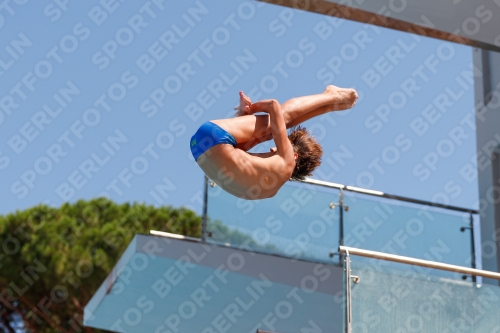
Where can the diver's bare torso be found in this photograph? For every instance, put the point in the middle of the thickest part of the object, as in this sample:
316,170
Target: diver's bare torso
243,174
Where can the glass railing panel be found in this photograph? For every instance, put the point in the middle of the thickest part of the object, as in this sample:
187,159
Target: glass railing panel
397,227
298,222
393,300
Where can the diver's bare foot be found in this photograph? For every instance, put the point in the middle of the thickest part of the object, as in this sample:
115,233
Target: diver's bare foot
244,107
342,98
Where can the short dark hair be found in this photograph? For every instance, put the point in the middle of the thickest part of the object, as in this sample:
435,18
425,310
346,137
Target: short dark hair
309,152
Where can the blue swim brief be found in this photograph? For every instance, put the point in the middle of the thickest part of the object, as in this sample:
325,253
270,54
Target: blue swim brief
207,136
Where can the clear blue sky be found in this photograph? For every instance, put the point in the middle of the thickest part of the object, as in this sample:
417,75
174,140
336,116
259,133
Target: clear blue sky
103,100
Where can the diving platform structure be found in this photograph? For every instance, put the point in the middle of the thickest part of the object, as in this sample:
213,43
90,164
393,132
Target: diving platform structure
164,284
277,268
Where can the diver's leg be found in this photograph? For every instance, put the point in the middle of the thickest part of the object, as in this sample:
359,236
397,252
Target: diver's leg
250,130
299,109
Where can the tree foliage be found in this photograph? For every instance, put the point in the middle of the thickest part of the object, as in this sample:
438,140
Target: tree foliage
52,260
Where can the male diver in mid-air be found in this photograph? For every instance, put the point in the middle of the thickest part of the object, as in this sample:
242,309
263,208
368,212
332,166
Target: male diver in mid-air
220,147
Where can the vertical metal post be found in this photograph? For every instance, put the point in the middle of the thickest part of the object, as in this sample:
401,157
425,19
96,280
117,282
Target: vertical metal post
348,317
205,209
472,244
341,223
486,70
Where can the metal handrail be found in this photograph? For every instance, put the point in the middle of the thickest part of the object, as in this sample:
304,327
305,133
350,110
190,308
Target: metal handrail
176,236
419,262
386,195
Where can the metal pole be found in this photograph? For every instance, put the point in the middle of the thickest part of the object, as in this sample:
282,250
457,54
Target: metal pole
486,70
420,262
387,195
341,223
348,314
473,247
205,209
